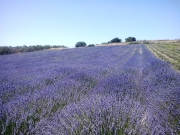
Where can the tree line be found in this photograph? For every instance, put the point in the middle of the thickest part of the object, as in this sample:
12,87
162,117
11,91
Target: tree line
19,49
83,44
118,40
114,40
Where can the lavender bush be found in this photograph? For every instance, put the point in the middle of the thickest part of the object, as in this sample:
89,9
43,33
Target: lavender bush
110,90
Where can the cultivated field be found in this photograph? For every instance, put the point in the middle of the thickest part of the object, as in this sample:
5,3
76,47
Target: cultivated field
109,90
169,52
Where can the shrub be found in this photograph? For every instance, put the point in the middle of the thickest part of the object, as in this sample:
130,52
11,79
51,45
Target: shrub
135,42
130,39
115,40
80,44
146,42
91,45
10,50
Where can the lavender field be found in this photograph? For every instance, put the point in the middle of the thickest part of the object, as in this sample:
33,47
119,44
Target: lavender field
110,90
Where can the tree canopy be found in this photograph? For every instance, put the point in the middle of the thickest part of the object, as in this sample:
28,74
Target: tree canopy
91,45
130,39
115,40
10,50
80,44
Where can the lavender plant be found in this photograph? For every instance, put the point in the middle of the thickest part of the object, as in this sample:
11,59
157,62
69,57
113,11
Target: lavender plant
110,90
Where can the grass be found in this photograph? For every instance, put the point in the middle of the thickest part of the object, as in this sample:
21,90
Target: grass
167,51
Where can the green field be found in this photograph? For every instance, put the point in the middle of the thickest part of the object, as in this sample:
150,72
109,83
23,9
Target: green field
167,51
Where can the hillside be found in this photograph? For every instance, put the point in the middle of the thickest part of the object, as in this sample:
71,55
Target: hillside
112,90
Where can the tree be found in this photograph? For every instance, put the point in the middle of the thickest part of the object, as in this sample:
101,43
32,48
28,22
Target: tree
80,44
130,39
9,49
115,40
91,45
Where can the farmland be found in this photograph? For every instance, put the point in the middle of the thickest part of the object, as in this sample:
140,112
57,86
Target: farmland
169,52
109,90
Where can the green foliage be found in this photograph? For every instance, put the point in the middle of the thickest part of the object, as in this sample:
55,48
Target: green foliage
115,40
20,49
130,39
80,44
169,52
49,81
135,42
146,42
91,45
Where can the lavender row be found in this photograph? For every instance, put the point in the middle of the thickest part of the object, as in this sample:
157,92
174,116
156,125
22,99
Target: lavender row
124,108
103,90
46,92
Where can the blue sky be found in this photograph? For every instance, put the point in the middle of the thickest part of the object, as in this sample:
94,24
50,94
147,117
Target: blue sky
65,22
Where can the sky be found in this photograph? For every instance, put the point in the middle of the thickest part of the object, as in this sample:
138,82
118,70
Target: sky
65,22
